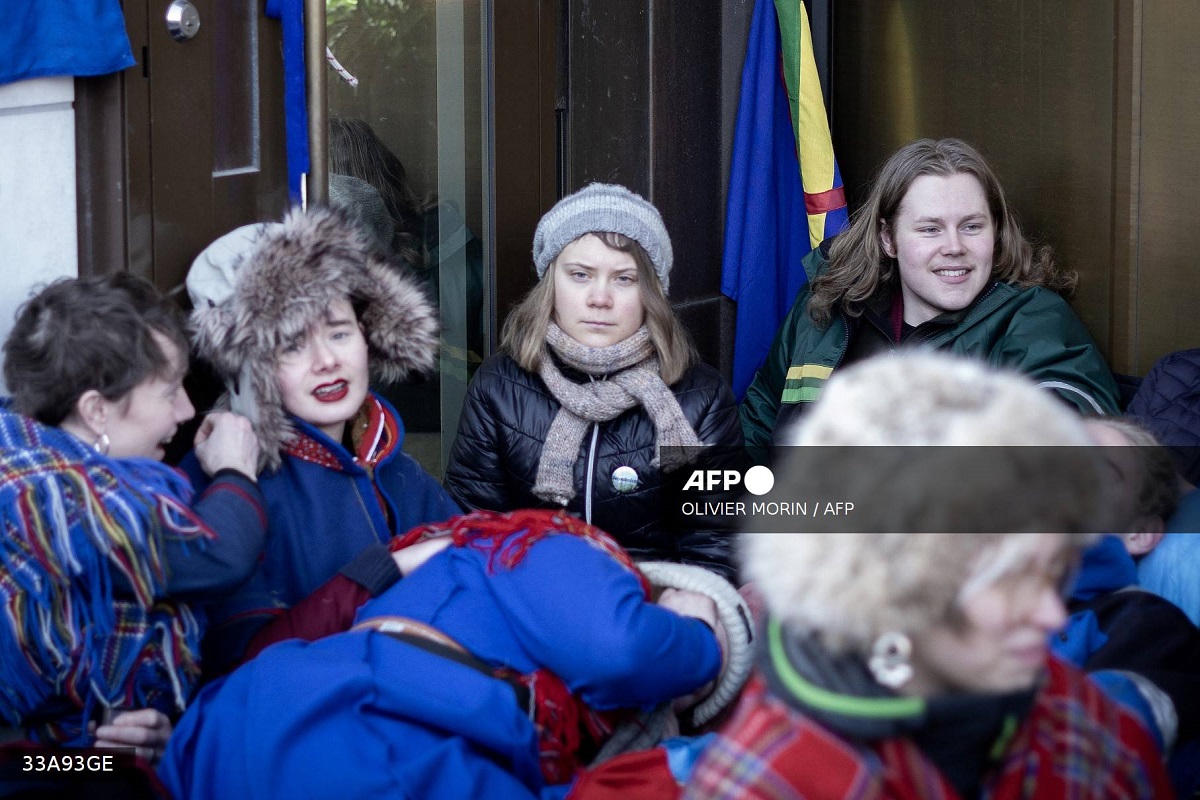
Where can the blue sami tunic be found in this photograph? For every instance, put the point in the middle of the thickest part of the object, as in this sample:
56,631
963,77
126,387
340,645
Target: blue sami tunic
361,714
320,517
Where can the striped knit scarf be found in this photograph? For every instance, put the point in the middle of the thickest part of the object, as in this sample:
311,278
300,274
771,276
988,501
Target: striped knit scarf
72,520
632,379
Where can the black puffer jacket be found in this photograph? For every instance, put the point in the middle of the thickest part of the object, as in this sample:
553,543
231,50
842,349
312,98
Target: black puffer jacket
507,414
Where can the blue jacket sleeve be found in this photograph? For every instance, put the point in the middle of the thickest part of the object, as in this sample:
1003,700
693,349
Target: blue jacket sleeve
190,467
583,616
232,510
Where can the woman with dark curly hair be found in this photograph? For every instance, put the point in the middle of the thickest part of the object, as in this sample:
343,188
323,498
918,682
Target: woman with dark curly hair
100,539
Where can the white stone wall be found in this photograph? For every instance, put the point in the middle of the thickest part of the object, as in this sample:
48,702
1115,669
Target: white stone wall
38,235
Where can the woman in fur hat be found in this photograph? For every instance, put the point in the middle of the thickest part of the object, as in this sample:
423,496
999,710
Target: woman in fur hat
597,398
297,318
916,664
99,537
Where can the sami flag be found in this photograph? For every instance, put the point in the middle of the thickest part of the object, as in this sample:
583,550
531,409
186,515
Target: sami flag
785,191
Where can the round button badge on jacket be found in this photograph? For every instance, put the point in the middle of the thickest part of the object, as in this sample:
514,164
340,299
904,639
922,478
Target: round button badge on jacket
624,479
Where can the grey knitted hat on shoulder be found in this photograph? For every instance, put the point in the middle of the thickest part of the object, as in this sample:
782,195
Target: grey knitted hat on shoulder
600,208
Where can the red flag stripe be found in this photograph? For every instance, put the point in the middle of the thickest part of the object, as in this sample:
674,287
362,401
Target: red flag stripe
824,202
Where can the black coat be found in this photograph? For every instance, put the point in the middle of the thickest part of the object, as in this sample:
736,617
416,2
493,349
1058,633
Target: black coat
505,419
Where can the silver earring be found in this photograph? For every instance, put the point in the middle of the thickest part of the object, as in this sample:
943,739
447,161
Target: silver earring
889,660
102,444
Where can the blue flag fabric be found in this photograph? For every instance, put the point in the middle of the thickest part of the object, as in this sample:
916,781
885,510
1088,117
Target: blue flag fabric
766,228
295,96
776,212
41,38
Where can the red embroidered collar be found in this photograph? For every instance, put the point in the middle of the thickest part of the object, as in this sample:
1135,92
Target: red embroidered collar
374,433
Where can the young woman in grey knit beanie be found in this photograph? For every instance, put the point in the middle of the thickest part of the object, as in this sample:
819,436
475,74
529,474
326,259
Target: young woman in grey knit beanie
597,400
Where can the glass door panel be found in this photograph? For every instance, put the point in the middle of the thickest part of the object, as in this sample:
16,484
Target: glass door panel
414,130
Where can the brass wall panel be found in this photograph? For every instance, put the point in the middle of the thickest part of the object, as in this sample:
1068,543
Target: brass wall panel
1031,84
525,58
643,99
611,65
1168,270
1126,182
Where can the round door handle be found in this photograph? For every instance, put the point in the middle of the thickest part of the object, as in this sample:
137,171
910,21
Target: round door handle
183,20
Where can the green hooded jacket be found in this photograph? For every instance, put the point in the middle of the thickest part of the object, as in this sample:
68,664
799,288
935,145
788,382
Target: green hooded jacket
1032,331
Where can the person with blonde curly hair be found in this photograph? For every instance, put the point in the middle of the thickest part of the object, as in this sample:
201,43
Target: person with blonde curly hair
905,650
934,258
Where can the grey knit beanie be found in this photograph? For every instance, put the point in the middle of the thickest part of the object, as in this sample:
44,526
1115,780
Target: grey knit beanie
366,207
604,208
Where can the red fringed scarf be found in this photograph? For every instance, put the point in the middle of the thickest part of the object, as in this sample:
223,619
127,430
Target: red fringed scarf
375,435
509,535
569,731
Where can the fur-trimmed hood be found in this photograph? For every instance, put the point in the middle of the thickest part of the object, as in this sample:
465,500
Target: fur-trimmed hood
263,285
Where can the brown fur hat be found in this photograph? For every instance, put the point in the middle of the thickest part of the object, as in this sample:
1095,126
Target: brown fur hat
276,284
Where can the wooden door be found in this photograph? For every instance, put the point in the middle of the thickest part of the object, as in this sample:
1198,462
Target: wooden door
184,146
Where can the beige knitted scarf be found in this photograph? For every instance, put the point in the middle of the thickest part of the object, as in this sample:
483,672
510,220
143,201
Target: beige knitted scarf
631,378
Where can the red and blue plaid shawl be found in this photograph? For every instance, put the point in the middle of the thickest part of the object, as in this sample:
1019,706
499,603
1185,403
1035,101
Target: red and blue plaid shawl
1075,743
72,520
